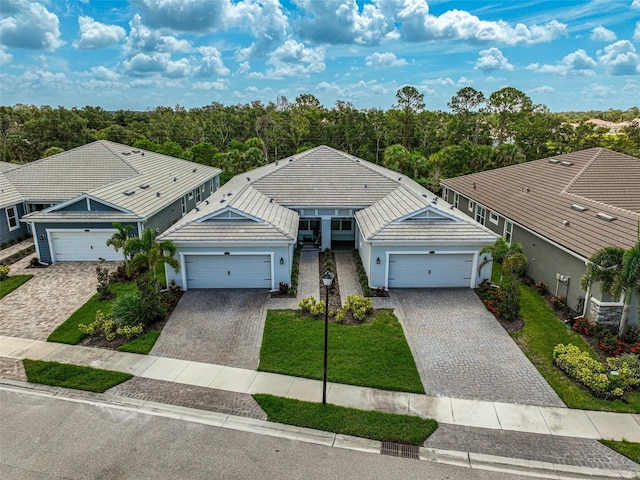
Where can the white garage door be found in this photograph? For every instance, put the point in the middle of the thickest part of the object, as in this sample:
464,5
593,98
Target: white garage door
424,270
82,246
228,271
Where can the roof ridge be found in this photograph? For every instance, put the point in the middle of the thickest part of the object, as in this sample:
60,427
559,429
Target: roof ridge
577,176
106,144
598,202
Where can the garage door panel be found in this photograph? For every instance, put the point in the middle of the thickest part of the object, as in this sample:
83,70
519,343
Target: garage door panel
83,246
430,271
228,271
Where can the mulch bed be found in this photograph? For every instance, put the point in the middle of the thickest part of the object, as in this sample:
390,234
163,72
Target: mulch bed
334,290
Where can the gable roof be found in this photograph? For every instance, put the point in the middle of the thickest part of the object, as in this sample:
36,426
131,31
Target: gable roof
9,194
582,201
106,170
324,177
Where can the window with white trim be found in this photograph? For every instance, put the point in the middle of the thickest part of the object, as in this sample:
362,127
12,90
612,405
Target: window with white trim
445,194
494,218
472,205
342,224
481,214
212,186
12,218
508,231
456,200
191,195
183,205
198,196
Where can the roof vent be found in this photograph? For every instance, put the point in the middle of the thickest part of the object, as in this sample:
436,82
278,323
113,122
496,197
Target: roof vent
566,223
399,179
207,202
473,185
157,194
248,179
578,208
290,160
553,160
144,186
175,179
126,153
197,209
222,200
271,200
194,170
135,151
230,193
435,200
424,195
128,193
276,163
605,217
142,153
566,164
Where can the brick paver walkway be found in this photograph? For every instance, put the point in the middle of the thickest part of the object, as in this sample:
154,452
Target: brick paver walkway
347,274
216,326
461,351
18,247
308,281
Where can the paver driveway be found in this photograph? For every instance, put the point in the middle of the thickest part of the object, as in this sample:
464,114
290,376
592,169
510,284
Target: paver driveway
216,326
462,351
36,308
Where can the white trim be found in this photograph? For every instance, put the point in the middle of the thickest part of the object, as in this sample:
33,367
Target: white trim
183,265
471,205
15,217
606,304
474,265
228,208
504,231
491,214
49,231
88,197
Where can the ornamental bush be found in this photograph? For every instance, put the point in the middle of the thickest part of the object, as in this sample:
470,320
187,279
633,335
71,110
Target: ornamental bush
4,271
312,306
358,306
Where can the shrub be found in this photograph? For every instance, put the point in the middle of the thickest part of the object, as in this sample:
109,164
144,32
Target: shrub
4,271
579,365
312,306
128,310
103,324
541,287
283,288
558,302
358,306
509,305
151,300
103,288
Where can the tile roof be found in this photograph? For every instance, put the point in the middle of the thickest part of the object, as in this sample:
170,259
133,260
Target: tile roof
106,170
9,194
560,197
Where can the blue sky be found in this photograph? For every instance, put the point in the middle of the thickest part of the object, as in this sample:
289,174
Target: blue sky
139,54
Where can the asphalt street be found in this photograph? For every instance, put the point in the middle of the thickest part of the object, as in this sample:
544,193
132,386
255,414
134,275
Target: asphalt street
47,438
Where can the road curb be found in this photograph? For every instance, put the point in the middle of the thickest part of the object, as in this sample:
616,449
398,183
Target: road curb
516,466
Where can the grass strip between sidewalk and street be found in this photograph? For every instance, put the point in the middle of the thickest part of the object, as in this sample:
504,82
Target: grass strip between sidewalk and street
628,449
73,376
9,284
69,333
385,427
373,354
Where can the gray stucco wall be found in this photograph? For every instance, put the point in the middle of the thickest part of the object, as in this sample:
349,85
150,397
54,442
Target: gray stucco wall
20,232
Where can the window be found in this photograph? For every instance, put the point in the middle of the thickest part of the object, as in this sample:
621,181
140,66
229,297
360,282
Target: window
198,196
481,213
183,205
456,200
191,195
445,194
12,218
309,224
472,205
508,231
212,185
493,218
342,224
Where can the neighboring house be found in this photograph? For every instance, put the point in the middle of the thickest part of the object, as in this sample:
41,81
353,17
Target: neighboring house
561,209
11,209
245,235
71,200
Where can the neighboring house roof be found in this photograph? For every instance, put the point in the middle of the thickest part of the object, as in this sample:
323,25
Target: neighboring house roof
9,194
582,201
253,206
134,180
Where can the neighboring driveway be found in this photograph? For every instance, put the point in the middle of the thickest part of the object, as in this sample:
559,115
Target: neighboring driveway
223,327
462,351
35,309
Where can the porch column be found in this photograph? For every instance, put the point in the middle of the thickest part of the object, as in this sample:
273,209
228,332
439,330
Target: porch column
326,233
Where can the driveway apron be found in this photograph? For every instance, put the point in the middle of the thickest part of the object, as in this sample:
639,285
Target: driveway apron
216,326
36,308
462,351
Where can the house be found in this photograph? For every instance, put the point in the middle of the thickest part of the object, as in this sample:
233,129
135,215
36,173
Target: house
561,209
244,236
69,201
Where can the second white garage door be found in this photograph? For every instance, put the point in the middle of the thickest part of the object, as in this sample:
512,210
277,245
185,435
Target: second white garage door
228,271
430,271
82,245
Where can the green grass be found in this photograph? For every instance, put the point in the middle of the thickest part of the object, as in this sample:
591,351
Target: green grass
73,376
628,449
373,354
541,333
68,332
385,427
9,284
142,344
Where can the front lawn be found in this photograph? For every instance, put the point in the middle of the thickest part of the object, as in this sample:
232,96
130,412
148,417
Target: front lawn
142,344
68,332
73,376
628,449
374,354
9,284
386,427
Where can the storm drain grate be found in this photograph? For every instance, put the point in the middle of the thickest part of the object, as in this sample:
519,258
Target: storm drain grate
399,450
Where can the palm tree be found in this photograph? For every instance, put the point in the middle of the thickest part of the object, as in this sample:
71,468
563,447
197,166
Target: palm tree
118,240
147,251
508,254
618,273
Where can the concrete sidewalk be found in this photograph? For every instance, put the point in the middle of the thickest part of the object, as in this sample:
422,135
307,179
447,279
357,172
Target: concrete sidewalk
473,413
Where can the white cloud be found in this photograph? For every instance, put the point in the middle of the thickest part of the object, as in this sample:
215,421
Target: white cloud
439,81
382,60
243,68
184,15
543,89
103,73
492,59
4,56
620,58
157,63
598,91
601,34
578,63
211,63
635,4
220,84
265,20
294,59
636,33
143,39
465,81
97,35
29,25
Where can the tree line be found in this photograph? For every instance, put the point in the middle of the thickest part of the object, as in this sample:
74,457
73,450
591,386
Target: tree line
478,133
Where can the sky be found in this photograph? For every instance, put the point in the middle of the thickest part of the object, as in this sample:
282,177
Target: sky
569,55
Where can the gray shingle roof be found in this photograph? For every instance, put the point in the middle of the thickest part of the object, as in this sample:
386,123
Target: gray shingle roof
546,196
9,194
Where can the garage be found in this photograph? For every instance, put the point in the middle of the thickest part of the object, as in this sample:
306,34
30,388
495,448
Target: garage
82,245
424,270
228,271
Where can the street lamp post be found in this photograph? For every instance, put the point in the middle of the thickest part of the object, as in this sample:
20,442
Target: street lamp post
327,280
